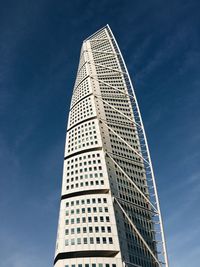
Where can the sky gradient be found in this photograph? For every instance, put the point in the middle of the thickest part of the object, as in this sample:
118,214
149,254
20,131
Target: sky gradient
40,44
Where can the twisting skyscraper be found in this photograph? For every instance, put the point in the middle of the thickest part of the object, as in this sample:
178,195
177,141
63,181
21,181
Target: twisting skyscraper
109,211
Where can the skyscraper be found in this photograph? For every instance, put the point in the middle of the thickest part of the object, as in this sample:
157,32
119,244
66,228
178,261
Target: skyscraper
109,210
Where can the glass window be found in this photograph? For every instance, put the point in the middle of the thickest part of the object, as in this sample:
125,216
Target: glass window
104,240
66,231
110,240
107,219
98,240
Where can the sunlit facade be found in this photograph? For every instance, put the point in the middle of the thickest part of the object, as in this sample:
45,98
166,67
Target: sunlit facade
109,210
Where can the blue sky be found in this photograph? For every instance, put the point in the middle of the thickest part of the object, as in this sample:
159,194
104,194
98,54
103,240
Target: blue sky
40,42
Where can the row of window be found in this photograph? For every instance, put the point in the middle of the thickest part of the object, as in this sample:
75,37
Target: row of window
86,169
85,157
91,265
90,240
83,184
85,163
88,210
87,219
90,229
86,201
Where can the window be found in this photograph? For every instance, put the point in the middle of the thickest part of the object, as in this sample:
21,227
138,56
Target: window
85,240
110,240
109,229
104,240
98,240
66,231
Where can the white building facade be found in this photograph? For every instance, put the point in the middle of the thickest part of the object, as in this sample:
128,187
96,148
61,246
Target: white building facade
109,211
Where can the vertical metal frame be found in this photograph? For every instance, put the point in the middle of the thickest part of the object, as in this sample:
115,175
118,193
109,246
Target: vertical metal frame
163,258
